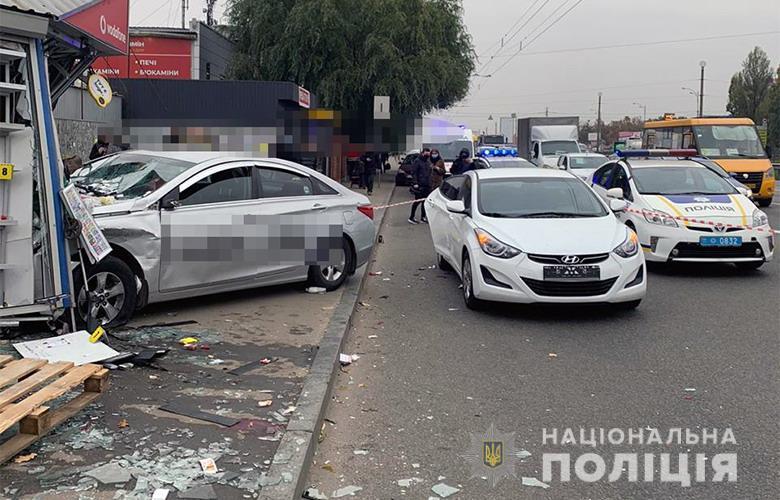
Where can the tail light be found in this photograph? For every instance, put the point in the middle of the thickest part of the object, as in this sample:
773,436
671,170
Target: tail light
367,210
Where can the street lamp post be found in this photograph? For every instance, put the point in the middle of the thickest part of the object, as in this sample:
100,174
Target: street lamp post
696,95
702,63
644,110
598,124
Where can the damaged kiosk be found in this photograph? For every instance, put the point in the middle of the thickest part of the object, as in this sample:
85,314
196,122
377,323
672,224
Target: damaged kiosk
45,47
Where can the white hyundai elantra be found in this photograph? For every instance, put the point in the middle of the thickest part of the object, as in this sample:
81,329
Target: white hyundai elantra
534,235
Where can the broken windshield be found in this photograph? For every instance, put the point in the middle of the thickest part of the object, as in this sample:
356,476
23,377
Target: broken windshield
131,175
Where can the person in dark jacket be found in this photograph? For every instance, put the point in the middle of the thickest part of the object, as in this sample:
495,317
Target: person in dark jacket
100,148
437,174
370,165
421,175
461,164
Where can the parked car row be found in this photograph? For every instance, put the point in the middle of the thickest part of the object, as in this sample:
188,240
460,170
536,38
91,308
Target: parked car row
529,235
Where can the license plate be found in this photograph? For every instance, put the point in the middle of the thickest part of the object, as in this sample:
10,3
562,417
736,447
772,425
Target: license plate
751,186
571,272
720,241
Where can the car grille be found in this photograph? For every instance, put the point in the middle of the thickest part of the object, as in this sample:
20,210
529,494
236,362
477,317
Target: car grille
556,259
753,179
569,289
694,250
711,229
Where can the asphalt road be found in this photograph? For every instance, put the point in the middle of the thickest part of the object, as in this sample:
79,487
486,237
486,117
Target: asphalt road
429,377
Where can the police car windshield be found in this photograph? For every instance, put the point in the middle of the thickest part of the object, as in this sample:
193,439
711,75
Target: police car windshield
537,197
680,180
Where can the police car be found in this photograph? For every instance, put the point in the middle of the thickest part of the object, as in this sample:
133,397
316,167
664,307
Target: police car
500,157
684,211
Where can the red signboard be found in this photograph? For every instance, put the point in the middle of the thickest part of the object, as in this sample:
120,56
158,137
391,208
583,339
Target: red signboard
105,20
150,57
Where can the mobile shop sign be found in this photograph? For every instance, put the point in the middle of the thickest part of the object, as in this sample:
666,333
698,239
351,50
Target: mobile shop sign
104,20
150,57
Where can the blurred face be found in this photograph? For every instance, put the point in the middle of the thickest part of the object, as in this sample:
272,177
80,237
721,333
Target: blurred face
426,154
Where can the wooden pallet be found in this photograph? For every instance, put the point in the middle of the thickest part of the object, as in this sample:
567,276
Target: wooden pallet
27,384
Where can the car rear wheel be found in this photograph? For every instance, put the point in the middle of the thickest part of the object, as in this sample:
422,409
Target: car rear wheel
332,276
467,283
443,264
112,294
749,266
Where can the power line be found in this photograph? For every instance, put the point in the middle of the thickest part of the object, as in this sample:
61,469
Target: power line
514,34
501,40
163,4
644,44
558,19
555,11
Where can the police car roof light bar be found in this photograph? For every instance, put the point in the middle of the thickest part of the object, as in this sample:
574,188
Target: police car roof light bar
656,153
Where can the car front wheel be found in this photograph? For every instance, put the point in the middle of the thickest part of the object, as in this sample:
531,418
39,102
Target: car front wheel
764,202
467,283
331,276
110,296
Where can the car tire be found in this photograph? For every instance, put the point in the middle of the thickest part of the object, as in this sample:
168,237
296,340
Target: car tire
443,264
114,294
332,277
765,202
400,179
749,266
630,305
467,285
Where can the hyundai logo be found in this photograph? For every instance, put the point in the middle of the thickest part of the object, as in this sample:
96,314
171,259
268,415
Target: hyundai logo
570,259
745,176
719,228
701,199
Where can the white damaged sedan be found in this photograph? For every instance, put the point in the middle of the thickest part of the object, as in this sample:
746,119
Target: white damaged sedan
534,235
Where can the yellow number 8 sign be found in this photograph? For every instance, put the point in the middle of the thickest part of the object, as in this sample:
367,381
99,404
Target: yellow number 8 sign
6,171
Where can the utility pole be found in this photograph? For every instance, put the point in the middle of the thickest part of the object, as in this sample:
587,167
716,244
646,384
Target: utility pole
598,123
183,14
546,111
702,63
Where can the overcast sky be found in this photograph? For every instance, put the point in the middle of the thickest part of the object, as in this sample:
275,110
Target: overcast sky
568,81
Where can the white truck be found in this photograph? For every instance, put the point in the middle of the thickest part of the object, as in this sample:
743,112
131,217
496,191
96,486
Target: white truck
542,140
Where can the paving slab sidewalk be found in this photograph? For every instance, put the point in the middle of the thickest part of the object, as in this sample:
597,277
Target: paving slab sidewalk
127,429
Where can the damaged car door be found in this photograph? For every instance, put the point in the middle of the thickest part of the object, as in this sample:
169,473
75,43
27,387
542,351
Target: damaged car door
204,240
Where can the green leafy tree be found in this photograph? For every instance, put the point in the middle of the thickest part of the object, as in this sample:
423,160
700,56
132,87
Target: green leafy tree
750,87
773,118
347,51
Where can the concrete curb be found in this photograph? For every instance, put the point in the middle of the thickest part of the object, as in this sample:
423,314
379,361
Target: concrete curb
287,475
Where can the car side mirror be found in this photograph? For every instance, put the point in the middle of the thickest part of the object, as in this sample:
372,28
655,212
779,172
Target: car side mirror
171,200
618,205
456,206
615,193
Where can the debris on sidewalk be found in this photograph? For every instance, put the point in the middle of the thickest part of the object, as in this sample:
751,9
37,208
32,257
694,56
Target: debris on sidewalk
179,409
406,483
444,490
316,289
188,340
375,273
314,494
360,452
346,491
208,465
123,423
160,494
248,367
23,459
265,403
348,359
690,389
110,473
552,355
200,493
74,347
532,481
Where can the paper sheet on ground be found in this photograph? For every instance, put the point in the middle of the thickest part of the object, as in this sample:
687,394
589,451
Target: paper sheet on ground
74,347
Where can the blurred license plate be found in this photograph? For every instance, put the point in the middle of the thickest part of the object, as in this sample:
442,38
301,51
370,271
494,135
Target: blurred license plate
720,241
571,272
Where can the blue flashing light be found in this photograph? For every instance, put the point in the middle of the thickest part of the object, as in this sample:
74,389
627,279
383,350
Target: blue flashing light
648,153
493,151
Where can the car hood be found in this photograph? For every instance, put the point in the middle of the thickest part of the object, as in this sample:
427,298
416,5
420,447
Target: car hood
558,236
583,173
710,206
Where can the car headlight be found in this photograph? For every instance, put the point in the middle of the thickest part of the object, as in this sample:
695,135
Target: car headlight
660,218
494,247
759,218
629,247
770,174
